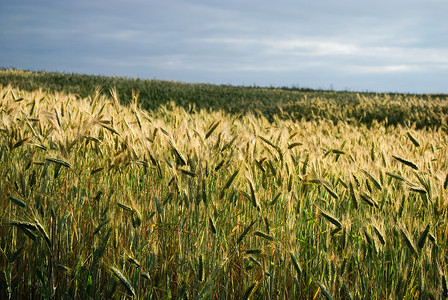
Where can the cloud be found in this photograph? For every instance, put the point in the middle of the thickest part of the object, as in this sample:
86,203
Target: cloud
282,46
350,44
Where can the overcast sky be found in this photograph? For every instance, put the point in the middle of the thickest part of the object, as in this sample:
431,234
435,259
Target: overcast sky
378,45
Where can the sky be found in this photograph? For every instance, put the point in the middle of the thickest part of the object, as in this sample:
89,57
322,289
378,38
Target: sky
367,45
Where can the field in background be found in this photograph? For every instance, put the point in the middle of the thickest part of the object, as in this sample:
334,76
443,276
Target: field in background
284,103
213,192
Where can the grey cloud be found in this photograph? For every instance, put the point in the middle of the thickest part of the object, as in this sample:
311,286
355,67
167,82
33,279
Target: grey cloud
374,45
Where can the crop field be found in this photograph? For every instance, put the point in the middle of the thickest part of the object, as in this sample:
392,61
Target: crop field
119,189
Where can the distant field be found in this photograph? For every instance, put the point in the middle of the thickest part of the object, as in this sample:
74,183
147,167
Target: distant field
285,104
114,188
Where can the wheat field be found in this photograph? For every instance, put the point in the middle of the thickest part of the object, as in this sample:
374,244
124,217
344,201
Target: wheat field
105,199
